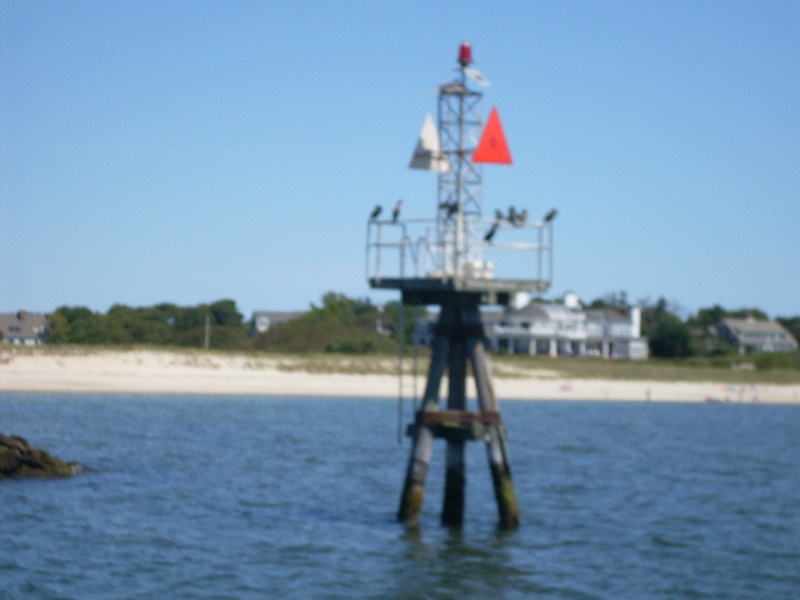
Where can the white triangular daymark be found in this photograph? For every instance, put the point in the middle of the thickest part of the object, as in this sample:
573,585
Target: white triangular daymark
428,153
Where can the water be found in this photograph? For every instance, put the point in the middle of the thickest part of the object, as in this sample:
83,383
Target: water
223,497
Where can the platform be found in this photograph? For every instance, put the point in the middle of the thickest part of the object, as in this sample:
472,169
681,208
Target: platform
435,290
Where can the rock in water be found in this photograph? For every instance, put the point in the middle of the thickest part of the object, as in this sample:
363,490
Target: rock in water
19,459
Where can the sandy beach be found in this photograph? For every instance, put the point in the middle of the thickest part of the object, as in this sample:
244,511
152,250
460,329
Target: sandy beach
165,372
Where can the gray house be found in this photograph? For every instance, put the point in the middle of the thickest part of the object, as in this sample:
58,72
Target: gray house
29,329
751,335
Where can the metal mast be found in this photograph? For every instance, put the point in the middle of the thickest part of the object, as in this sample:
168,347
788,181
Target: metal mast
460,125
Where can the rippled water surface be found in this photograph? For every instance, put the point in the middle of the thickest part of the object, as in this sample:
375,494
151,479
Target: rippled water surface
223,497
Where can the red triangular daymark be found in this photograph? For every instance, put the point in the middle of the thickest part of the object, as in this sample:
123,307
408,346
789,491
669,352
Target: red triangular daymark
493,147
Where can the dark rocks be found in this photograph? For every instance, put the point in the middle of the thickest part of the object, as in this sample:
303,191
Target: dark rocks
19,459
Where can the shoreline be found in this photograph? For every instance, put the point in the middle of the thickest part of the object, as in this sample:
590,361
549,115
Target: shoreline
167,372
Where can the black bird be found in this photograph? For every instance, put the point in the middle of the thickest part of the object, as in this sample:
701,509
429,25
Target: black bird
512,215
492,230
375,212
521,216
450,207
396,213
550,216
498,214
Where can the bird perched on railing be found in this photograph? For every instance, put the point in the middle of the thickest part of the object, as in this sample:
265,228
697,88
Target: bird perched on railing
516,217
396,212
550,216
450,207
375,212
512,215
492,230
498,218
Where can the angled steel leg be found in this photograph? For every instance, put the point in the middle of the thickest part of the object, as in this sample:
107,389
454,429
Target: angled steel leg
422,441
496,445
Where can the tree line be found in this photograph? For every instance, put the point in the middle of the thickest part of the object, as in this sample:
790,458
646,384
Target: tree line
164,324
357,326
338,324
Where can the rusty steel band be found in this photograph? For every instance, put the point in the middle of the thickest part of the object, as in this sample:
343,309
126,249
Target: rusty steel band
439,417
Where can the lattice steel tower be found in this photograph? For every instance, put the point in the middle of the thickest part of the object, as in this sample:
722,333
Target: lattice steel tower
460,125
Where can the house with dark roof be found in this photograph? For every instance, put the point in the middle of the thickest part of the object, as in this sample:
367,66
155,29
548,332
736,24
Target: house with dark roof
752,335
21,327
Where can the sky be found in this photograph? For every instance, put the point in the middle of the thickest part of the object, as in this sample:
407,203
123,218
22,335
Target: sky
190,151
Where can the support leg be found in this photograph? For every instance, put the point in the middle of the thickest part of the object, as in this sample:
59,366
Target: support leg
422,442
455,480
496,446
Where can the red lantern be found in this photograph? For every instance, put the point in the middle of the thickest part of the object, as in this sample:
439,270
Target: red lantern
465,53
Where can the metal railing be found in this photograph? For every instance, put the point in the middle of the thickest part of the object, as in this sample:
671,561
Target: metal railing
417,248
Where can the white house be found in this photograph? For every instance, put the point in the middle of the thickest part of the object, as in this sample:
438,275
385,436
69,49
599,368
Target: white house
570,330
564,329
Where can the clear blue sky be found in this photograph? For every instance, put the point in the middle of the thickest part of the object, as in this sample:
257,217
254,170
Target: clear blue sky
188,151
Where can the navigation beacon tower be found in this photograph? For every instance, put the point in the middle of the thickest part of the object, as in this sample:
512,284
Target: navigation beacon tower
443,261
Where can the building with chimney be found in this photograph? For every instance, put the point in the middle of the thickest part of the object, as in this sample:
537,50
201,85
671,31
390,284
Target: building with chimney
560,329
21,327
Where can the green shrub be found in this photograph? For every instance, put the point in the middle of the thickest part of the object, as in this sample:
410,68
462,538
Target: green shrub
768,361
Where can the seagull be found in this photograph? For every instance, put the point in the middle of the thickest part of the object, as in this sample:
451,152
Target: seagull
550,216
397,208
492,230
376,211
